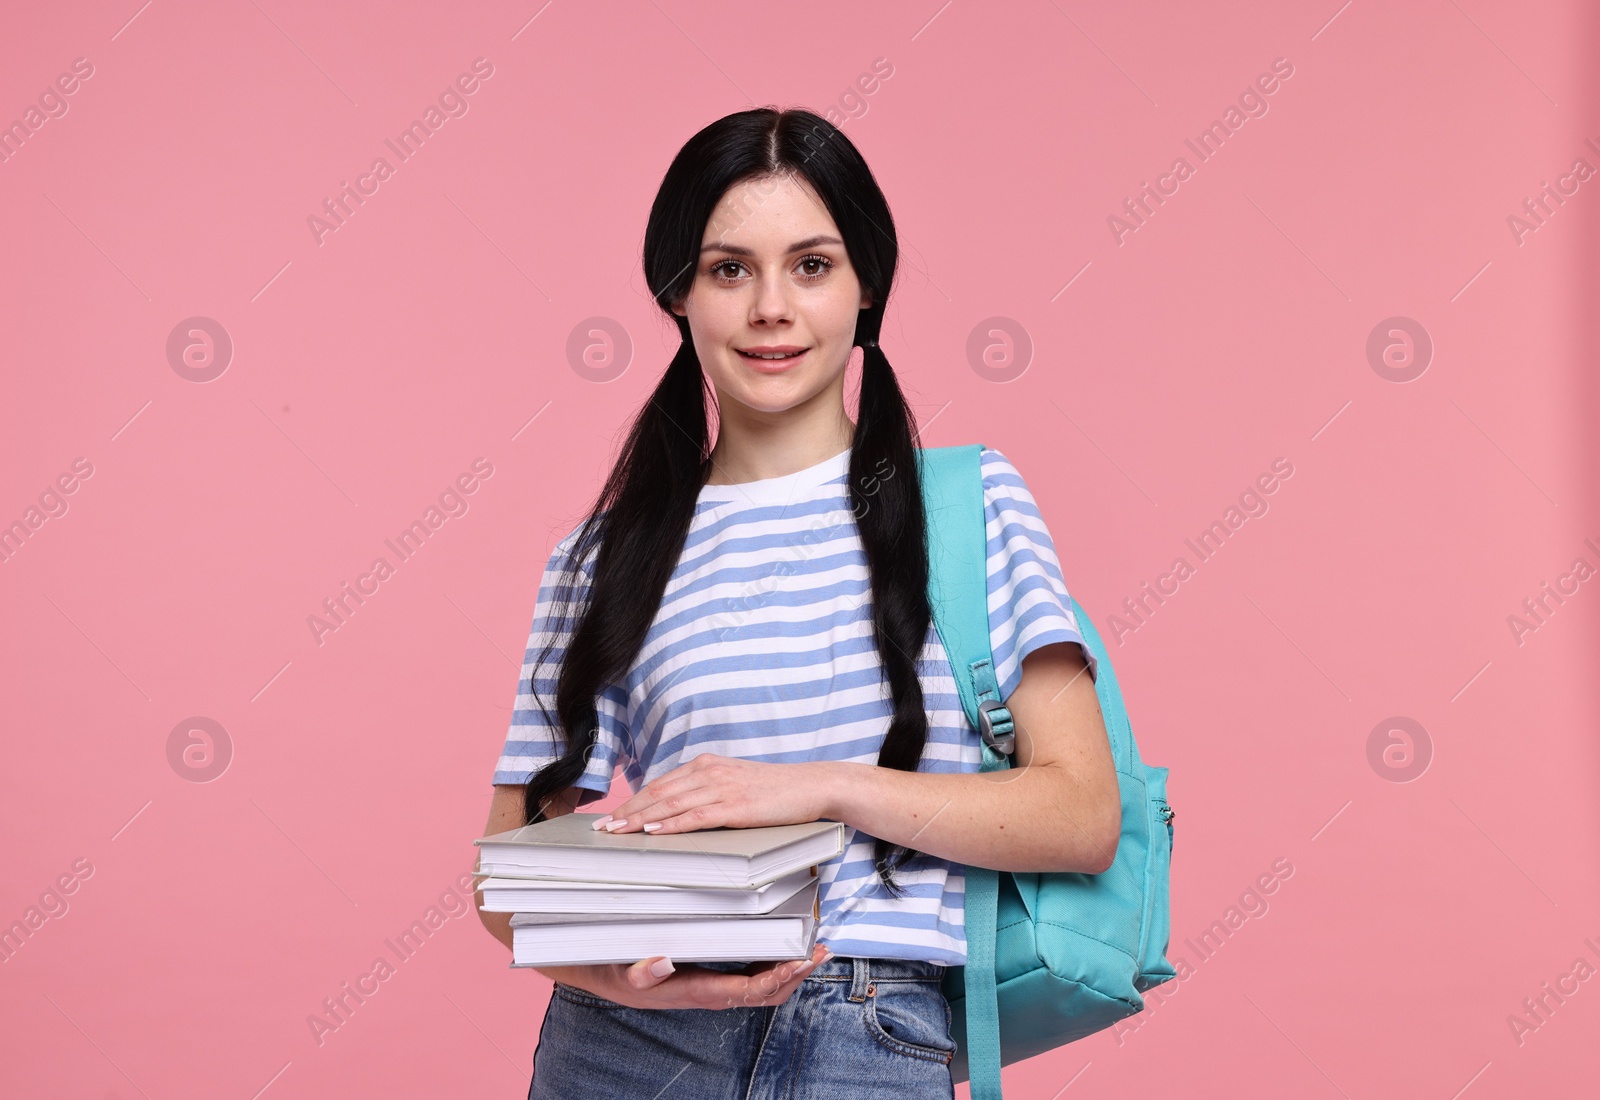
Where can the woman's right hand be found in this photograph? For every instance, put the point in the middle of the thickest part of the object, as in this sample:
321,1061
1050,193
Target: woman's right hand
759,984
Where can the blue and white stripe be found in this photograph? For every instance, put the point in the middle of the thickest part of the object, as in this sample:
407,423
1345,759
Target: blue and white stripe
762,649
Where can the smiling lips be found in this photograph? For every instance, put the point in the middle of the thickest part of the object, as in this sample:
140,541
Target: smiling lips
774,358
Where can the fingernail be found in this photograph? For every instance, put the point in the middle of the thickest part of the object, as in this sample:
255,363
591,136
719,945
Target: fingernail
662,967
827,953
600,822
652,826
613,826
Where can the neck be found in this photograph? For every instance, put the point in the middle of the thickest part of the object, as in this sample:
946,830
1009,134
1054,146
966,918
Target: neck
773,451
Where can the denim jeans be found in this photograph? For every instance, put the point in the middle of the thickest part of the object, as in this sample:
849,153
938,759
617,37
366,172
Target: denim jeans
855,1029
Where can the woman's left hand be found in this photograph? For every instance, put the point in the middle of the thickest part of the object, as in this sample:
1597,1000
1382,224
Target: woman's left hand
712,791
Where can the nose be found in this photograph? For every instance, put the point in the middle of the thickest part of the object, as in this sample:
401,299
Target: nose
771,304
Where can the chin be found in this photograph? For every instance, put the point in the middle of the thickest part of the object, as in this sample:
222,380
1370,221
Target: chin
778,395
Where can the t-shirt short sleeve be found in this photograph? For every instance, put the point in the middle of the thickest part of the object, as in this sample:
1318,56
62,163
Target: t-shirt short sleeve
1029,607
535,737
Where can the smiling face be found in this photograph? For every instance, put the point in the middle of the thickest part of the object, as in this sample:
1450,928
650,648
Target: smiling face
773,306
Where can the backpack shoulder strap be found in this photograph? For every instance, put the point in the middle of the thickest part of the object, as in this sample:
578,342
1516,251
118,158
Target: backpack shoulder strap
958,592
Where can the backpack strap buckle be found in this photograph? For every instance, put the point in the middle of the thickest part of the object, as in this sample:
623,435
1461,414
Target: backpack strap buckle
997,727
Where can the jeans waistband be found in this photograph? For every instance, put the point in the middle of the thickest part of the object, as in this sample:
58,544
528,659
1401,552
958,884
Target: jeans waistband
859,971
862,972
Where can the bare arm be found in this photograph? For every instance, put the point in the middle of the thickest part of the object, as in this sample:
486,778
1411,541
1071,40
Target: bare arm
1057,808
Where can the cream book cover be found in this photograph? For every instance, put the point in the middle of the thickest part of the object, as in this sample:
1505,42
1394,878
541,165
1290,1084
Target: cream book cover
569,847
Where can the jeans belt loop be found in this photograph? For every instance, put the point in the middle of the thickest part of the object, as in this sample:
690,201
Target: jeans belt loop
860,975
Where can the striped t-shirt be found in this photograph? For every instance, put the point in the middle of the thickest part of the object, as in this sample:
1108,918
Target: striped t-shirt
763,649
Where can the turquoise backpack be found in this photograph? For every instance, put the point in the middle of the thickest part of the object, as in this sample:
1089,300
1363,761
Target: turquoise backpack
1051,957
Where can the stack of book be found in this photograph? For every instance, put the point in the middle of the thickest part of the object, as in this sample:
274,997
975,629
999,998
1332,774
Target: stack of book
581,896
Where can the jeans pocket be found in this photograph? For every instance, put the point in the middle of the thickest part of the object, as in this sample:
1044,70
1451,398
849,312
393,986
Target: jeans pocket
912,1018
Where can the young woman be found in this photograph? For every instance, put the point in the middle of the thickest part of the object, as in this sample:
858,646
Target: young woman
742,624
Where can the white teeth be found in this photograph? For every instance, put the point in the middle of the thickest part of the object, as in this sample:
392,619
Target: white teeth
776,355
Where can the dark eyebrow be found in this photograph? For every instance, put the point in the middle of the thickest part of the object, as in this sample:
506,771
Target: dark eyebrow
798,246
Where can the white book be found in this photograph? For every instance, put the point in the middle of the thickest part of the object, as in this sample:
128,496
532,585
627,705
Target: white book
536,895
568,847
569,939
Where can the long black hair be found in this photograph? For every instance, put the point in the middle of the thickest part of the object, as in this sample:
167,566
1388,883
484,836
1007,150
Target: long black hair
632,538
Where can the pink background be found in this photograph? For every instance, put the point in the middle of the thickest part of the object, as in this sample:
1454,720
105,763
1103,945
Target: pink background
369,371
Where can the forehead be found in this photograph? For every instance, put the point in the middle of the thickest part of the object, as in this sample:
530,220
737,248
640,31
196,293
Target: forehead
769,213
